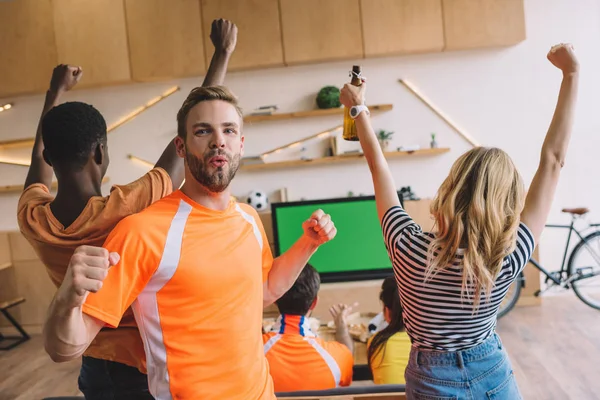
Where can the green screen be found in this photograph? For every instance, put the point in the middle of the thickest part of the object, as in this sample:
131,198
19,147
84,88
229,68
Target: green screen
358,245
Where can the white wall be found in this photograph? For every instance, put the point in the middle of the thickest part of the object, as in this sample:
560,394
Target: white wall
502,97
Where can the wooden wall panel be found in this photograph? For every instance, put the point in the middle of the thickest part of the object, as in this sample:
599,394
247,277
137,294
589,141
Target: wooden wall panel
5,253
165,39
92,35
33,283
20,248
402,26
472,24
259,31
317,31
27,46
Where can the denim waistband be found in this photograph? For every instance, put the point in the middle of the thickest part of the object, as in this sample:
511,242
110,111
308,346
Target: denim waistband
458,358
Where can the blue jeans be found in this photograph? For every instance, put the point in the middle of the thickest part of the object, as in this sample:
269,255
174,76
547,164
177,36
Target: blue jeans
483,372
109,380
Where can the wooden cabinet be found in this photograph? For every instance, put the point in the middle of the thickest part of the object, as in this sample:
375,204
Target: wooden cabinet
259,31
165,39
472,24
402,26
119,41
92,35
317,30
27,46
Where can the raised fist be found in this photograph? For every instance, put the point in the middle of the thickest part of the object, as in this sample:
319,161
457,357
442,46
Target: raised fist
563,57
64,78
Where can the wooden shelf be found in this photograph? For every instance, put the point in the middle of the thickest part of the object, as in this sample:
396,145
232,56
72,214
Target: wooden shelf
338,159
312,113
10,303
19,188
5,265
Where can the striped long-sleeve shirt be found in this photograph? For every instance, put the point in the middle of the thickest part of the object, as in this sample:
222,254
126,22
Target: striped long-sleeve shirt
436,316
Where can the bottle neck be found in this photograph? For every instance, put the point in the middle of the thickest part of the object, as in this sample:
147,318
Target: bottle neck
356,81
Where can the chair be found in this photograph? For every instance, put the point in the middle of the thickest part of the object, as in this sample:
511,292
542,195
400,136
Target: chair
375,392
14,340
361,372
65,398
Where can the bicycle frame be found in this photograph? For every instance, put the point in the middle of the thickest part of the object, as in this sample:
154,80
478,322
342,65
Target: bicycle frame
563,267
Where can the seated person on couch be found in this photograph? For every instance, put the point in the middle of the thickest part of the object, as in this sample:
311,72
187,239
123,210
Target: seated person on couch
298,359
389,349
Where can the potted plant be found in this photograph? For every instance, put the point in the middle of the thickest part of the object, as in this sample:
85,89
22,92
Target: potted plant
433,142
384,138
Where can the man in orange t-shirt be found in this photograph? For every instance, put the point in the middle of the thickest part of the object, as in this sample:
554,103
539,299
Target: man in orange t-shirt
72,137
196,268
298,359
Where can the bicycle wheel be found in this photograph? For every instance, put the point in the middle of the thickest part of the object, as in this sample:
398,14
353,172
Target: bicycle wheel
584,269
512,296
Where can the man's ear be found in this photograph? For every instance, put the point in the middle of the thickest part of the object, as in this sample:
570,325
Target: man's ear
314,303
242,146
99,153
180,146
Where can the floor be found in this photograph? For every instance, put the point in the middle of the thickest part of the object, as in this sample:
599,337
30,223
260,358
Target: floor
554,349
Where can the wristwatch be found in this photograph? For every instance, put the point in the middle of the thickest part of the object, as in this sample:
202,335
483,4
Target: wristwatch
356,110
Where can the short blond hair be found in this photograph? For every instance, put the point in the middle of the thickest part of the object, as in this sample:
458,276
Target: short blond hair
200,94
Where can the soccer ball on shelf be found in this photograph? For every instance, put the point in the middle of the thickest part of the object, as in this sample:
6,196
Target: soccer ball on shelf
258,200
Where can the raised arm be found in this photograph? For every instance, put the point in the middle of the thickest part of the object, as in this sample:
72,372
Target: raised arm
223,34
554,150
386,195
340,312
318,230
64,78
67,330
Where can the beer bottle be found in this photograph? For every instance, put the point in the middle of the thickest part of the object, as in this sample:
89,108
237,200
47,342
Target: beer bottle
349,123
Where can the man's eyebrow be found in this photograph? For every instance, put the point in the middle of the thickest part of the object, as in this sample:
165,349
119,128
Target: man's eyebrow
201,125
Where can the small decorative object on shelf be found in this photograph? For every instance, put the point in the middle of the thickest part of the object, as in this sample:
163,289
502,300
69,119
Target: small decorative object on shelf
406,193
384,138
409,147
434,144
328,97
350,193
252,160
258,200
265,110
303,153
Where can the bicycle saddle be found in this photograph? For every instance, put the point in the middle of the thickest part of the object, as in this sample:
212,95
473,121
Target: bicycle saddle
576,211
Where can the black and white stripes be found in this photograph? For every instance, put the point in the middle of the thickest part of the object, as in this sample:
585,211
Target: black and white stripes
435,314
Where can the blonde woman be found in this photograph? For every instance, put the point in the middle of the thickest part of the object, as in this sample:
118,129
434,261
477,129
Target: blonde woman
452,282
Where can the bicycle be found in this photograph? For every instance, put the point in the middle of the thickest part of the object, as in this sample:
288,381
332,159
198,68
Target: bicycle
578,273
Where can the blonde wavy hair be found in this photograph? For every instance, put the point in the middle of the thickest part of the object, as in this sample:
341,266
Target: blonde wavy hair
477,209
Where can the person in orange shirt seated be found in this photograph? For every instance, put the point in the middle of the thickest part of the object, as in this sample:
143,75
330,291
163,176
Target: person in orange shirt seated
71,142
298,359
195,267
389,349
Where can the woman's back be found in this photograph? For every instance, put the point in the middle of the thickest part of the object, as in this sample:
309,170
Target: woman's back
388,365
437,314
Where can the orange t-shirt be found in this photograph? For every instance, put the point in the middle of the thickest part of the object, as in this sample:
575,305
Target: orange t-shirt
54,245
299,360
194,277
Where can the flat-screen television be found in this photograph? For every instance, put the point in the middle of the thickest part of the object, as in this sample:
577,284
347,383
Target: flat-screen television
357,252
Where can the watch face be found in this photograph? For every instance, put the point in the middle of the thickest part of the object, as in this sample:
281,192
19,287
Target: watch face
353,111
